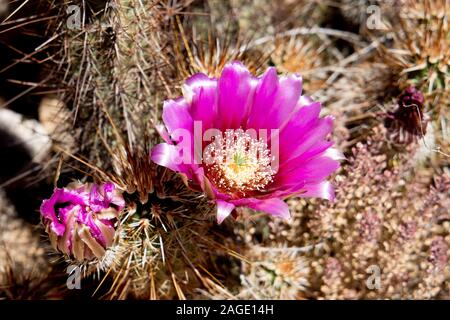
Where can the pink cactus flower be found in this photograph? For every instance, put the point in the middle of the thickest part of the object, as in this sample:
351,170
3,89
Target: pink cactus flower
80,218
248,141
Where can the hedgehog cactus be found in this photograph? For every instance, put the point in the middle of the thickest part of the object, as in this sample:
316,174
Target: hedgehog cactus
185,114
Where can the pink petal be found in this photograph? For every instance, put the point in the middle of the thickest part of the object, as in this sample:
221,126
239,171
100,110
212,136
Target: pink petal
224,209
322,190
264,98
176,116
57,216
320,148
304,101
313,171
170,156
204,99
274,100
166,155
286,100
299,124
162,131
102,196
235,96
334,154
305,139
273,206
199,80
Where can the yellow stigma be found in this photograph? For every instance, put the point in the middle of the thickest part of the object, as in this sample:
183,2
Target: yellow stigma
237,162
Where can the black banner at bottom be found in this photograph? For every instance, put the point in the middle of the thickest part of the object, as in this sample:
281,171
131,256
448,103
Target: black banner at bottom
207,309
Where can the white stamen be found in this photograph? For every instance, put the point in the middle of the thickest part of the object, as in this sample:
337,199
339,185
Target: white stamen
238,162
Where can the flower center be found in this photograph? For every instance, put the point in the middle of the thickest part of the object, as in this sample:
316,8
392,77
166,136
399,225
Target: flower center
238,162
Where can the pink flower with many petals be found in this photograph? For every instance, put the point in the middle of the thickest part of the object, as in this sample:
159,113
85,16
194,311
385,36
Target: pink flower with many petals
248,141
80,218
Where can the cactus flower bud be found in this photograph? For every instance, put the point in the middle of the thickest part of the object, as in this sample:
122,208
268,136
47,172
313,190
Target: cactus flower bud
80,219
407,121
